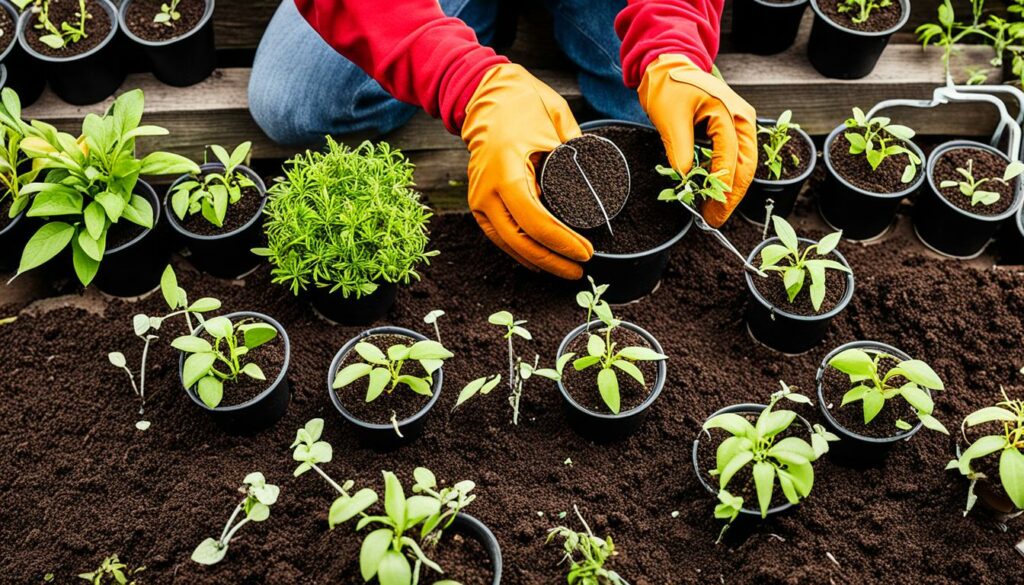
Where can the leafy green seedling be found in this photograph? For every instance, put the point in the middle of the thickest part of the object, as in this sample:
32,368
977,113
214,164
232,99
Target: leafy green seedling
210,365
873,388
862,9
259,497
15,170
591,299
110,572
949,33
698,182
971,187
777,136
586,554
877,139
168,14
431,319
211,193
68,33
794,264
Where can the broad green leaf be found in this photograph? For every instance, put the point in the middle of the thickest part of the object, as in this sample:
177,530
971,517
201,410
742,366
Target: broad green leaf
113,204
772,254
258,512
854,362
785,233
344,509
734,465
764,481
418,385
419,507
585,362
204,305
46,243
1011,474
788,489
58,200
169,287
1013,170
873,403
375,546
140,324
989,414
191,344
394,499
424,478
633,371
429,350
95,220
932,423
608,385
92,248
209,552
256,334
792,449
117,359
829,243
900,132
253,371
802,477
732,423
219,327
379,379
350,374
196,366
917,398
771,423
980,448
139,211
210,389
920,373
793,279
394,569
596,346
501,318
641,354
854,394
371,353
729,448
165,163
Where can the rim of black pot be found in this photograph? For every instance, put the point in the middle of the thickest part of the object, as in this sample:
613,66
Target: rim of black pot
157,212
173,219
904,17
659,383
819,376
27,15
814,150
270,387
1018,196
480,530
349,347
12,11
921,169
122,20
789,4
847,296
749,407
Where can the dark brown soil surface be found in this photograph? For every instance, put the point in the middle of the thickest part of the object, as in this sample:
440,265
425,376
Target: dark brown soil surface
139,19
238,215
773,289
96,28
565,188
78,482
463,558
582,386
985,165
795,146
856,170
123,232
644,222
836,384
879,20
270,358
402,401
8,30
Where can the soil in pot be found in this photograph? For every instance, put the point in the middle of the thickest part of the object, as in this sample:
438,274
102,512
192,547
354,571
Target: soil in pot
9,28
582,386
881,19
122,232
835,384
774,291
139,19
270,358
796,146
237,216
401,402
567,192
857,171
463,558
97,28
985,164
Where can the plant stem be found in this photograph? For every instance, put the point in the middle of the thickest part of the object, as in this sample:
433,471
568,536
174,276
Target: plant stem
231,534
328,479
227,526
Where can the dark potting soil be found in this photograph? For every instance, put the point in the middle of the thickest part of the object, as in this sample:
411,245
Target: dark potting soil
8,30
270,358
96,28
984,165
122,232
880,19
566,191
644,223
774,291
582,386
795,146
238,215
139,19
400,402
78,482
463,558
835,384
857,171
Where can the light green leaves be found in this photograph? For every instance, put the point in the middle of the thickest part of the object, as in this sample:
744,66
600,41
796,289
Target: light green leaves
207,360
876,138
795,265
980,448
777,137
347,507
394,569
482,386
256,334
209,552
259,497
608,386
698,182
375,547
309,450
854,362
385,369
46,243
764,481
1011,474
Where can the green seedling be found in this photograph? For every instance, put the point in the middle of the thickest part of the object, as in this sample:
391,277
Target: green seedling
586,554
431,319
777,136
794,265
168,14
877,139
259,497
949,33
862,9
110,572
15,172
971,187
58,37
212,193
698,182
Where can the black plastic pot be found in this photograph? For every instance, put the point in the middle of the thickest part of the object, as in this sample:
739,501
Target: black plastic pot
783,331
993,500
184,60
949,230
766,28
352,311
24,74
226,255
13,237
862,215
86,78
841,53
782,192
383,436
1011,240
266,408
469,526
135,267
605,426
851,444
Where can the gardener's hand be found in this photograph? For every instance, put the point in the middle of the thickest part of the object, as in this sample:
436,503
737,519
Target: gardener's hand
677,94
511,120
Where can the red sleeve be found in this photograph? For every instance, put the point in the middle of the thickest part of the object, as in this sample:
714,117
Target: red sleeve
649,28
410,47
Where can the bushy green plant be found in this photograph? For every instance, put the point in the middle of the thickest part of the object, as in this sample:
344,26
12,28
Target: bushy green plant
212,192
59,35
586,555
12,160
111,572
971,187
1001,34
794,264
346,220
776,137
259,497
877,139
1008,444
699,182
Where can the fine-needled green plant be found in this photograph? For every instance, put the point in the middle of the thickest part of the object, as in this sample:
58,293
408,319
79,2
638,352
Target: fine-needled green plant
699,182
877,139
13,172
861,9
209,365
908,379
346,220
776,137
259,497
168,14
794,264
58,37
212,192
586,554
112,572
971,187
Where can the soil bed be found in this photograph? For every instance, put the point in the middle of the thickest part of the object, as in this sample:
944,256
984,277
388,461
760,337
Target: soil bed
96,28
795,146
880,19
139,19
774,291
402,402
566,190
857,171
984,165
269,357
238,214
836,384
463,558
582,386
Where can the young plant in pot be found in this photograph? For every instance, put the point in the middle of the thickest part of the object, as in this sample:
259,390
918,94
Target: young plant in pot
848,36
385,381
77,42
766,27
874,395
15,172
425,531
175,35
94,202
747,447
786,160
24,74
346,227
586,554
235,367
778,315
972,189
871,166
219,212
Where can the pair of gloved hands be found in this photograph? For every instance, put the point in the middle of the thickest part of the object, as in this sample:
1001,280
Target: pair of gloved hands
514,116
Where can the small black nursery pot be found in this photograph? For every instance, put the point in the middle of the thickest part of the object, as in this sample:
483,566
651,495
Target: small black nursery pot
842,53
375,435
766,28
135,267
262,411
471,527
24,75
861,214
782,192
606,426
352,311
779,329
183,60
225,255
84,78
949,229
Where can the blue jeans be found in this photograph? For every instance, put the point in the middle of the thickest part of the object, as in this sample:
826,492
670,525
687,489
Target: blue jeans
302,89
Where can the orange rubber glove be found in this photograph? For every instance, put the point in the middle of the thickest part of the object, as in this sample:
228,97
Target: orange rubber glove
676,94
511,119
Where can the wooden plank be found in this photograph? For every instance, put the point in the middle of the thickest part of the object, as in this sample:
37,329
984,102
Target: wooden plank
239,24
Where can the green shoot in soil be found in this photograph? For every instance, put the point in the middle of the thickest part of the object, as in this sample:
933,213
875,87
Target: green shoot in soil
777,137
862,8
698,182
67,33
111,572
793,265
586,554
970,187
878,139
259,497
15,172
213,192
168,13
